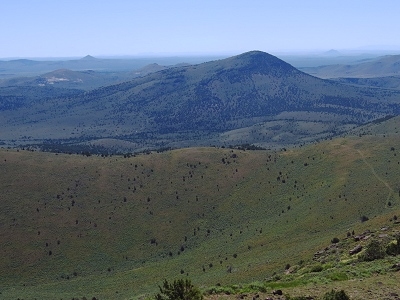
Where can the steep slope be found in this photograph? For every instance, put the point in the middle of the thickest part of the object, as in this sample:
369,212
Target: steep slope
16,98
115,227
196,104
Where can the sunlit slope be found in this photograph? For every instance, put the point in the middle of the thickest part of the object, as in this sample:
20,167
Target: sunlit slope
93,226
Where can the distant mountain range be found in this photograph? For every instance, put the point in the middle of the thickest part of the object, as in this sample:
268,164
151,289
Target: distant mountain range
250,98
383,66
332,52
84,80
27,67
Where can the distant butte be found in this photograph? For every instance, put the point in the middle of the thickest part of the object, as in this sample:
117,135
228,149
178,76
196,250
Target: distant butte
88,57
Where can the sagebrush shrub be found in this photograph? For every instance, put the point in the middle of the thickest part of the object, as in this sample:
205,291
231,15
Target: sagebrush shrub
336,295
178,290
373,251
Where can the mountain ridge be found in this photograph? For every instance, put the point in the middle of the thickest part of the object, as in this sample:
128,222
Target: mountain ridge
388,65
195,104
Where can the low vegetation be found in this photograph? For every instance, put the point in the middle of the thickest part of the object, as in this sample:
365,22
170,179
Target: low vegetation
181,289
234,221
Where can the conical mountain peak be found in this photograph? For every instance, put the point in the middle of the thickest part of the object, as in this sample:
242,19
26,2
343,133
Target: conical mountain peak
258,61
88,57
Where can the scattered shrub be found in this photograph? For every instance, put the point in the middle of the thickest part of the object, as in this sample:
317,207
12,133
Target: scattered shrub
257,287
220,290
178,290
276,277
374,250
393,248
338,276
335,240
297,298
316,268
336,295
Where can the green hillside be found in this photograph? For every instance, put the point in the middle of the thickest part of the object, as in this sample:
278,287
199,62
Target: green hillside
114,227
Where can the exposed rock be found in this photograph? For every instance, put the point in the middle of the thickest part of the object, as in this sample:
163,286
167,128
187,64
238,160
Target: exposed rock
355,250
319,253
277,292
396,267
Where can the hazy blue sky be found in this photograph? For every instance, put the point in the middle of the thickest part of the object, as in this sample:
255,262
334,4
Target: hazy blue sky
65,28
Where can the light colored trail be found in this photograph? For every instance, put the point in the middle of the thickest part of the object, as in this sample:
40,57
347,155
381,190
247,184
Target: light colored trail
377,176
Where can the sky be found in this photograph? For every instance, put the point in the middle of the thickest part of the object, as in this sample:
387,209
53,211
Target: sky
75,28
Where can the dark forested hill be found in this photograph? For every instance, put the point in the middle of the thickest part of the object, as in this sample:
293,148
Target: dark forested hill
250,98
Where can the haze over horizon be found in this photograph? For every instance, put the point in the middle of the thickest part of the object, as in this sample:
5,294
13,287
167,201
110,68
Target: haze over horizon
137,28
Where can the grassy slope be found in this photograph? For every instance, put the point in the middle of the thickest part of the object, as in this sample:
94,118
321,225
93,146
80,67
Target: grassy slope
217,210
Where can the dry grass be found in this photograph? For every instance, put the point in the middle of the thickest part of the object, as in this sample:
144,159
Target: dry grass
114,221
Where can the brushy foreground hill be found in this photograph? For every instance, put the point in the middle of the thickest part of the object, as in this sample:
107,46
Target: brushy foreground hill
114,227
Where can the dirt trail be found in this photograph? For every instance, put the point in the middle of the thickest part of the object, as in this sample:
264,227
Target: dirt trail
376,175
385,183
